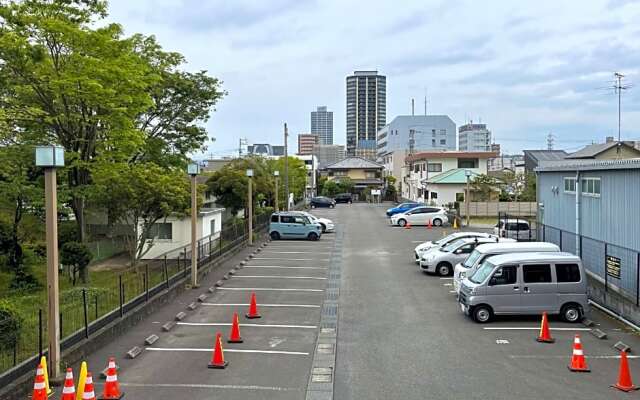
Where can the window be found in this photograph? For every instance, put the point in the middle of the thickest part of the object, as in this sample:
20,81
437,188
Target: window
417,211
505,275
443,141
520,226
287,219
274,218
468,163
370,174
590,186
434,167
568,272
537,273
459,197
466,249
443,131
339,173
434,195
301,220
569,185
213,226
160,231
433,142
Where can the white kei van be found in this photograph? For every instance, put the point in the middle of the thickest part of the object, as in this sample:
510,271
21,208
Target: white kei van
526,283
480,253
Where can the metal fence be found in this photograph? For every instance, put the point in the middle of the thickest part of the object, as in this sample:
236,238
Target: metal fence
617,267
84,311
494,208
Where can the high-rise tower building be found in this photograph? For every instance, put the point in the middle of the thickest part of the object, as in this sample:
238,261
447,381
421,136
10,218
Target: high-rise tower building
322,124
366,112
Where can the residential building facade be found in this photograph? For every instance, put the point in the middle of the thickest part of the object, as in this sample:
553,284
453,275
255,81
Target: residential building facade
306,141
362,172
421,167
393,163
311,165
366,110
474,137
322,124
328,154
611,150
416,133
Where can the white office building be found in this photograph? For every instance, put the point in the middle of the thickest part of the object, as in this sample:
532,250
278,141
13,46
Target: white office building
415,133
474,137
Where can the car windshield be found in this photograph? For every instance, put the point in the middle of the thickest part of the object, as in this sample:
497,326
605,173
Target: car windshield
453,246
482,273
447,239
472,259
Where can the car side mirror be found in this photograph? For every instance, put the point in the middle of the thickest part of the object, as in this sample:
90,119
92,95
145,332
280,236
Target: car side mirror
493,281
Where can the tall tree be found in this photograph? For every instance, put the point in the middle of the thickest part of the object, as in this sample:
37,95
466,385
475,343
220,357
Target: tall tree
66,82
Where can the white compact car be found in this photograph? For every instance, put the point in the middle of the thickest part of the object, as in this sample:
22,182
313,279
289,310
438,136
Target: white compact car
325,223
421,216
443,259
426,246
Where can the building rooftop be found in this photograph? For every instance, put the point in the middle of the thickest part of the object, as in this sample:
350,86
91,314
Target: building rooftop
424,155
354,163
453,176
546,155
593,150
588,165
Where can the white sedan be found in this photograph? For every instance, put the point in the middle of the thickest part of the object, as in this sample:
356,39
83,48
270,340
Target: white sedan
325,223
426,246
421,216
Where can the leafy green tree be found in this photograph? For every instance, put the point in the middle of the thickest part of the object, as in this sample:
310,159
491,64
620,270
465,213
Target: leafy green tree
139,196
345,185
483,186
11,326
65,81
529,190
77,256
330,188
297,177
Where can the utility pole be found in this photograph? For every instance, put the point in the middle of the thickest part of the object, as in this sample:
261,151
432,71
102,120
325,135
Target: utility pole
193,169
619,88
250,206
286,166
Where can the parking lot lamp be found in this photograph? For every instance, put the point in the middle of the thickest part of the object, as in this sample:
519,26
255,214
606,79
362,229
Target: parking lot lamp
276,174
250,206
50,158
467,173
193,169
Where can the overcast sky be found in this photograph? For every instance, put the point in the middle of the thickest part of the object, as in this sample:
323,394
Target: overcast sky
526,68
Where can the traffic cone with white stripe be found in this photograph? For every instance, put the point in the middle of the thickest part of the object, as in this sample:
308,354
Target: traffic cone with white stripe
624,376
217,361
253,308
88,393
545,333
68,391
111,389
578,361
39,386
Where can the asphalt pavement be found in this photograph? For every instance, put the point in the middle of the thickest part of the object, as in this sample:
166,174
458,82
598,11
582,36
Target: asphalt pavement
402,335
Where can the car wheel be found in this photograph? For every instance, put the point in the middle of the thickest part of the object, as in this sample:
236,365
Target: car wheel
444,269
482,314
324,228
350,202
402,222
571,313
331,206
313,205
313,236
275,235
437,222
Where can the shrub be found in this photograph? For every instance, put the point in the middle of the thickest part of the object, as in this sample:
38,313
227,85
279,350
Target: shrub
78,256
10,325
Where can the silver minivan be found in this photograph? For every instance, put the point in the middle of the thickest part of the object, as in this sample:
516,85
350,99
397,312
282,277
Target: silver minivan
482,252
526,283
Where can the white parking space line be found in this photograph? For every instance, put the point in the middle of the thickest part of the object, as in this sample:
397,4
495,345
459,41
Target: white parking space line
270,289
446,279
292,353
278,277
261,305
605,357
205,386
452,291
418,241
283,267
527,328
247,325
447,284
294,252
289,259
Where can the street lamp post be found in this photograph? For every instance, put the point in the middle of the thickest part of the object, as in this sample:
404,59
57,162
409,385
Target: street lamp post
193,169
51,157
467,173
250,206
277,175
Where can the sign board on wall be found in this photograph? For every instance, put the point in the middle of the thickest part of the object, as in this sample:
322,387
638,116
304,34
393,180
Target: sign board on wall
613,267
375,192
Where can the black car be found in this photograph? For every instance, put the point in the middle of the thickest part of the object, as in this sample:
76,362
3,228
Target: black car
322,201
343,198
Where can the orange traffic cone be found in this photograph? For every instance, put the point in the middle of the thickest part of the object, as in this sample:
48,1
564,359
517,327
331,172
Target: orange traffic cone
234,337
624,376
545,335
88,394
39,387
253,308
578,362
218,361
68,391
111,389
429,224
407,225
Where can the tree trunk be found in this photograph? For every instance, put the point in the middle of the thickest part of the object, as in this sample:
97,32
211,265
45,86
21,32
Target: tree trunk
78,206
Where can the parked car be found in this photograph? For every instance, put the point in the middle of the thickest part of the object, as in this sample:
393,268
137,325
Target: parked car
325,223
321,201
515,228
401,208
421,216
426,246
343,198
482,252
293,225
526,283
442,260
